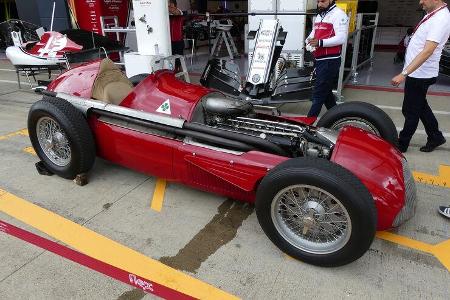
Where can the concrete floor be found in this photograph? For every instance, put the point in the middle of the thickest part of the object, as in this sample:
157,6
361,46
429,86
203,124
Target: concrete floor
238,258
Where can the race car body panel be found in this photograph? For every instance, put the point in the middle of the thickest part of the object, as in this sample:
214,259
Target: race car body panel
160,87
378,166
77,81
215,168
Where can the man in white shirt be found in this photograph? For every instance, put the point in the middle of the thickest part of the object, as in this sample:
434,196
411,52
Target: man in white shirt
420,72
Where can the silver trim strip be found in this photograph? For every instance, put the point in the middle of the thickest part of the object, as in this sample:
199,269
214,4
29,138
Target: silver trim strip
190,141
85,104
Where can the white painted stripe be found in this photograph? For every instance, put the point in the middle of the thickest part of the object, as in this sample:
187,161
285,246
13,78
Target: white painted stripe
9,81
419,131
8,70
438,112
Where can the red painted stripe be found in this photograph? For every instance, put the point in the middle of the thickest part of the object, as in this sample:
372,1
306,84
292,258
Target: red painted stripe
141,283
393,90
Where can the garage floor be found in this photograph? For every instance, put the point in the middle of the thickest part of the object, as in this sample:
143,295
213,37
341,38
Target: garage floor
207,238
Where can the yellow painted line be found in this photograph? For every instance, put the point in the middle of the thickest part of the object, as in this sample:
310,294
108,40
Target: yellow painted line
97,246
443,179
404,241
441,251
158,195
9,135
30,150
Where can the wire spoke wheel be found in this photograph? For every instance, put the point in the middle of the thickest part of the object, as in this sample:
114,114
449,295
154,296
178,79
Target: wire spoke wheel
61,137
356,122
362,115
311,219
53,141
316,211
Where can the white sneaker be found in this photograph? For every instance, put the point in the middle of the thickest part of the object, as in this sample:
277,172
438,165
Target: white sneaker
445,211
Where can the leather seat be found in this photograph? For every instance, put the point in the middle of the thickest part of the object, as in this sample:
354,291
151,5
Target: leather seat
110,85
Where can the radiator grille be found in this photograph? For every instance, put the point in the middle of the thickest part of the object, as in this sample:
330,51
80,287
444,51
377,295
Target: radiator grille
410,196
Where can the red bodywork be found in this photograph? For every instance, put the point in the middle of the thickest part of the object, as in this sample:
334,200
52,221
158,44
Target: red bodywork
375,162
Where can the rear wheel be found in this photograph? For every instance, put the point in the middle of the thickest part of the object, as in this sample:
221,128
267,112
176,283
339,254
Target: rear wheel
316,211
361,115
61,137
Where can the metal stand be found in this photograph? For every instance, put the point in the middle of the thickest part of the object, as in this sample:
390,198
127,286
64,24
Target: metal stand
363,50
33,70
224,35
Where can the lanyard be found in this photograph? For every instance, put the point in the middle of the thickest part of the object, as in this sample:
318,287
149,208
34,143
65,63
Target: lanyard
328,10
428,17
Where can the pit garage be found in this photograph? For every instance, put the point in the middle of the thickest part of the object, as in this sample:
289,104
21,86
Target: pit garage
130,173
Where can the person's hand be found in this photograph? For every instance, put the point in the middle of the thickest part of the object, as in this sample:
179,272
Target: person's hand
397,80
313,42
173,10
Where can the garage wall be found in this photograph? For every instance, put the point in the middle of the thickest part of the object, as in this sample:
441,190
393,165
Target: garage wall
234,5
39,12
402,13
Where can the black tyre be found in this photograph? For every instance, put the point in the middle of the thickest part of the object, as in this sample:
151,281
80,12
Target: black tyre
316,211
61,137
136,79
362,115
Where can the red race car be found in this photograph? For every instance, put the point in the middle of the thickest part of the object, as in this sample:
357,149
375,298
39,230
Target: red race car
319,194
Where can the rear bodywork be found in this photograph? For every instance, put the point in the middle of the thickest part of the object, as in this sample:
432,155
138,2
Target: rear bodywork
214,168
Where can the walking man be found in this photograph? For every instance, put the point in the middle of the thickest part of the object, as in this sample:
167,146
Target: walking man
420,72
329,33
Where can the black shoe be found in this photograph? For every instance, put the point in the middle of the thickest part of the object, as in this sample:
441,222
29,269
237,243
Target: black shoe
445,211
430,146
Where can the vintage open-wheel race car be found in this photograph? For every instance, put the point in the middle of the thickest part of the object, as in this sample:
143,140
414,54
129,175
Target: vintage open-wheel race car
320,194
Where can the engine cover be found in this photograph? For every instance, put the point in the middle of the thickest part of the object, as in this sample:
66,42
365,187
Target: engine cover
217,105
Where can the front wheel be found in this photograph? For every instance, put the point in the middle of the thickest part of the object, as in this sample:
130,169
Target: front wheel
316,211
61,137
362,115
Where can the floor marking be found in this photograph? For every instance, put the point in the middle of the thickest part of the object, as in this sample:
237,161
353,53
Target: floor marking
8,81
144,284
443,179
30,150
441,251
23,132
8,70
437,112
101,248
420,131
158,195
394,90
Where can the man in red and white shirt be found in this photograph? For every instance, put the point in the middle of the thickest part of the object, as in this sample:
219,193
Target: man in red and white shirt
176,28
420,72
329,33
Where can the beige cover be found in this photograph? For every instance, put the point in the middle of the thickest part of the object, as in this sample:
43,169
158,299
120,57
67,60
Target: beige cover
110,85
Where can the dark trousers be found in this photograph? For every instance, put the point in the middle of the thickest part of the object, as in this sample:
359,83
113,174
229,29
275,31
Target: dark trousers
415,107
178,49
326,73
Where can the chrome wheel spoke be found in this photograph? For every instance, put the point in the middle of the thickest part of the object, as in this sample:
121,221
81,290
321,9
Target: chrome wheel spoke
53,141
311,219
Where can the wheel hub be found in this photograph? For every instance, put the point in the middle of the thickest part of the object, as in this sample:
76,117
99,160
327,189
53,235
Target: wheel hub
53,141
311,219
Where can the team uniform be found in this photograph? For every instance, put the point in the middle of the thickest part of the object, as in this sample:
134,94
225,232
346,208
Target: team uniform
176,33
434,27
331,29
